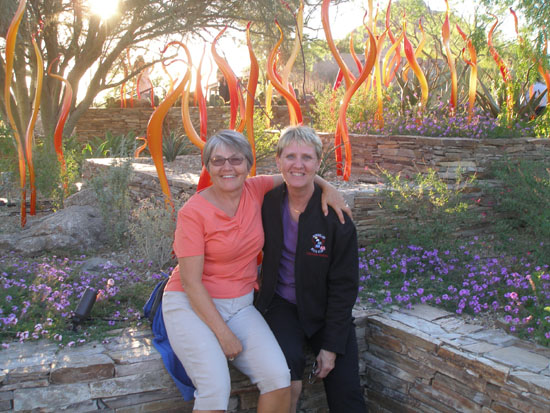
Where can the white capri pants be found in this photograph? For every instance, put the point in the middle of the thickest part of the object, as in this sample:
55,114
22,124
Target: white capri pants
202,357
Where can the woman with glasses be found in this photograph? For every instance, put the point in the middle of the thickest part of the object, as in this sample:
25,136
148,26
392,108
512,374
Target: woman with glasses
208,302
309,279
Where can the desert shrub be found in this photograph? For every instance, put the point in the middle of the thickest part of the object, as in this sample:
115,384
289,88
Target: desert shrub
112,190
324,112
327,103
152,230
48,174
425,210
8,148
8,163
521,201
265,140
328,160
524,195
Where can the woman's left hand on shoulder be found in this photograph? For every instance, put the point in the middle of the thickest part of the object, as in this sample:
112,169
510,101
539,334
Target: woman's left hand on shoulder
334,198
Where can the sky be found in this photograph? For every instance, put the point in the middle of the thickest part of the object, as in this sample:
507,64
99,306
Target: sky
343,19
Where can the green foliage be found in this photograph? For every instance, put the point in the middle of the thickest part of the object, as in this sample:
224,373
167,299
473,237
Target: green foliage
47,169
521,200
327,104
425,210
152,229
265,140
112,190
8,163
542,125
324,112
175,143
111,146
536,11
48,179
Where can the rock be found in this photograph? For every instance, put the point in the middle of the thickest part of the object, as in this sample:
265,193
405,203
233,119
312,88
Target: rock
72,368
77,228
51,396
84,197
98,265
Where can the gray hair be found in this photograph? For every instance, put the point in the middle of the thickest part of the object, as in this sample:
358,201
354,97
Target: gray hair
300,134
232,139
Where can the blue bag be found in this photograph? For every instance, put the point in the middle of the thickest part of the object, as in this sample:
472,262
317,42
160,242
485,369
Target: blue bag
152,310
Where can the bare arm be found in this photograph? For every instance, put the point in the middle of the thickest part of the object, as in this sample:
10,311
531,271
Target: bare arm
331,197
191,279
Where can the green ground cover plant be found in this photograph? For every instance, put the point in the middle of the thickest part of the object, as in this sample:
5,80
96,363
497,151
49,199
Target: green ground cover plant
503,271
38,297
428,262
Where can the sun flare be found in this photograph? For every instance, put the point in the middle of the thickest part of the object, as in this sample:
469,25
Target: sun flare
103,8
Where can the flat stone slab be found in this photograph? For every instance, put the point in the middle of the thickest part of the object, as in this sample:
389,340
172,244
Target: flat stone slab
134,355
137,383
480,348
427,327
426,312
532,379
51,396
519,358
498,337
71,368
431,361
40,359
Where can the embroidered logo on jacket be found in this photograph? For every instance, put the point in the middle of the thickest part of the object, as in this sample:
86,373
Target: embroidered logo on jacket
319,247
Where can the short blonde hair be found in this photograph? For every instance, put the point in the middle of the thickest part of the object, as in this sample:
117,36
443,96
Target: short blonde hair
300,134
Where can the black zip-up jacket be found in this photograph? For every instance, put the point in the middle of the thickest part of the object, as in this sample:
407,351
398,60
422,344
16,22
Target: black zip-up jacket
326,268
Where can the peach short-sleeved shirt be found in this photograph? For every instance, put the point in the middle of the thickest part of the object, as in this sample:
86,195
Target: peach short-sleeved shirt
230,245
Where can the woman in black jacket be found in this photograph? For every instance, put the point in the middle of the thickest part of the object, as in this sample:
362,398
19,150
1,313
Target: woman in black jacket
309,279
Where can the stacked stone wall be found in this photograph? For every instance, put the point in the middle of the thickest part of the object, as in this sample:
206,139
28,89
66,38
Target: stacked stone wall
409,155
418,360
405,154
118,121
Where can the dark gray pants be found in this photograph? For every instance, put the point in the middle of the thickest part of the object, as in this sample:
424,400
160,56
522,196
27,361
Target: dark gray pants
342,385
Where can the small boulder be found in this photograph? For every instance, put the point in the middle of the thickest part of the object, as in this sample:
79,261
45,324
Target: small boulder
78,227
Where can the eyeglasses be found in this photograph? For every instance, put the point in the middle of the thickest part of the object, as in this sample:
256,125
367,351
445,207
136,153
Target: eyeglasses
220,160
313,373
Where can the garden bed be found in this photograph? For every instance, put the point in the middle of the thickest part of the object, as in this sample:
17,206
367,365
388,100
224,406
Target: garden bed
472,281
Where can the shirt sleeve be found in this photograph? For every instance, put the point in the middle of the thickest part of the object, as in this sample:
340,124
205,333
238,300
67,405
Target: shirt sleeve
343,283
260,185
189,237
